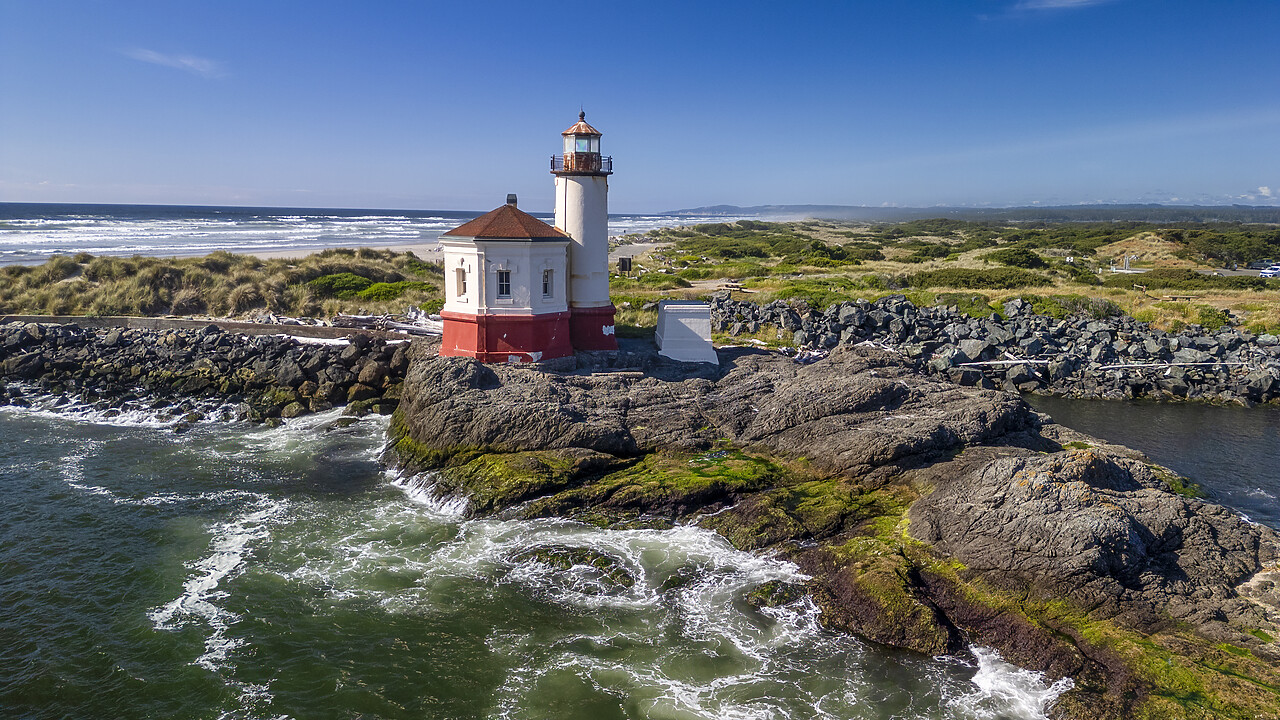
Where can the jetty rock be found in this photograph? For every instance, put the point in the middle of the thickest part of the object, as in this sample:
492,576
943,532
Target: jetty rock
1093,352
929,516
262,377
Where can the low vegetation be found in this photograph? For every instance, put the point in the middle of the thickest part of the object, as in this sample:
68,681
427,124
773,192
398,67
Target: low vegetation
973,265
221,285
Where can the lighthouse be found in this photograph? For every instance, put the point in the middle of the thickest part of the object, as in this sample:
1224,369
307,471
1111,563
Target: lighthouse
582,212
520,290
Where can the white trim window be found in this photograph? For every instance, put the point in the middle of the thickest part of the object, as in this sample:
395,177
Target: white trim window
548,288
460,280
504,284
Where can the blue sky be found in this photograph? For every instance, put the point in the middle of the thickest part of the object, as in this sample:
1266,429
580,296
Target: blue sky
438,105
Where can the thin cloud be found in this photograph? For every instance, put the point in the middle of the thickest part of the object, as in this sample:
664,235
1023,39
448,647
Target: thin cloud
1263,194
1056,4
190,63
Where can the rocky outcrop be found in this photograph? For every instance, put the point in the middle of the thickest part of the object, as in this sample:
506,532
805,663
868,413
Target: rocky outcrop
1103,530
265,377
1074,357
929,515
764,401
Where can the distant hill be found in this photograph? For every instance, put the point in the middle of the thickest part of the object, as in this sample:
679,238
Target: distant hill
1066,213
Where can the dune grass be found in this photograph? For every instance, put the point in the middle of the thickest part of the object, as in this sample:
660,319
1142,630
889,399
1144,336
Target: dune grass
221,284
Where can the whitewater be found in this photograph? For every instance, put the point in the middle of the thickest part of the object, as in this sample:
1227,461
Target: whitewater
240,571
32,232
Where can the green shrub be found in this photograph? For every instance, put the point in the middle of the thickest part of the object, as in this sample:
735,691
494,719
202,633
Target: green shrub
340,285
865,254
1016,257
432,307
385,292
408,262
929,252
821,261
1211,318
996,279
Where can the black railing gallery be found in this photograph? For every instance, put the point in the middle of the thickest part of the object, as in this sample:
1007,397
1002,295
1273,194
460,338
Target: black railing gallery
581,162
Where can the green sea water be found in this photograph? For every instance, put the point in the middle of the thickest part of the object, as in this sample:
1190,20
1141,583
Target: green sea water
238,571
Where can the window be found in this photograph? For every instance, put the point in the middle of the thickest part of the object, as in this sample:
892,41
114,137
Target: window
460,276
586,143
546,283
504,283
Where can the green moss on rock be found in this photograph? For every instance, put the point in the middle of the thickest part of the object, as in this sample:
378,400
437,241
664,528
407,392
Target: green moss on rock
496,481
875,589
667,484
413,456
810,509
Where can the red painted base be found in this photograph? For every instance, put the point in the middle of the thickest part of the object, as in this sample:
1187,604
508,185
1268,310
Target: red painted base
506,338
592,328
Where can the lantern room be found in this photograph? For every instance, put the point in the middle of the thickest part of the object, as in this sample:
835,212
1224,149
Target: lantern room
581,151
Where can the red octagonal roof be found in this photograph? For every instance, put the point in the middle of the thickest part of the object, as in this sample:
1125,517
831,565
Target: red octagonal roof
507,223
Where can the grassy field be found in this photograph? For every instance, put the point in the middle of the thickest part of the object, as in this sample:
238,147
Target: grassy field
1061,268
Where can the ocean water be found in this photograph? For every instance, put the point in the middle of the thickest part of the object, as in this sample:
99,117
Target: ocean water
237,571
31,232
1233,452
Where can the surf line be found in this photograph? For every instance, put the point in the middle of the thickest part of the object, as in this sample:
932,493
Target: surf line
230,546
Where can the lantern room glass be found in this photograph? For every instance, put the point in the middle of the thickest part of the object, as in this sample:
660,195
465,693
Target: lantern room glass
581,144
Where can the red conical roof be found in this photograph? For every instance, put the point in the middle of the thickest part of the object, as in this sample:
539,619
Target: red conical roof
507,223
581,127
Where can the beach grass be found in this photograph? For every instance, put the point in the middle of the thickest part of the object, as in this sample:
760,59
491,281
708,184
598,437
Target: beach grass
222,284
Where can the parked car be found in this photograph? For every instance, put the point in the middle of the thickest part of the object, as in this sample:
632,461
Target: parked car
1273,271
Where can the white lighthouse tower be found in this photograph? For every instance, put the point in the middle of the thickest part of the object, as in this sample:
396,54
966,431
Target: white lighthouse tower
582,211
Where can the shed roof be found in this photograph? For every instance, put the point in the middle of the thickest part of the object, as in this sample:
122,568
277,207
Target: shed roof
507,223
